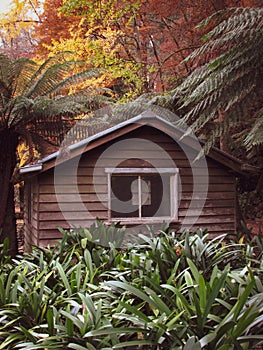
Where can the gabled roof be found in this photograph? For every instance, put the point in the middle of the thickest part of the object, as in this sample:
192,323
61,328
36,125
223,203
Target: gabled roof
146,118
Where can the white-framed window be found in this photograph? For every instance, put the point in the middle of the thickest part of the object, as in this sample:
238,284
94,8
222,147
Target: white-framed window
142,194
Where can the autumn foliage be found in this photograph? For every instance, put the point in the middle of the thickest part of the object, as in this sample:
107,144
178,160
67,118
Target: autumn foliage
141,44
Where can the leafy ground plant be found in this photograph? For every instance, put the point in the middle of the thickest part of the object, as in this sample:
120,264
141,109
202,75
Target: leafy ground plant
168,291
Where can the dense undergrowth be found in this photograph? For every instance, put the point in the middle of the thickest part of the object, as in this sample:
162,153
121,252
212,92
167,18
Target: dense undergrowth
168,291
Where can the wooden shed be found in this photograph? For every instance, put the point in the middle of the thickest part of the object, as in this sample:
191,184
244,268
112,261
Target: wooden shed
138,172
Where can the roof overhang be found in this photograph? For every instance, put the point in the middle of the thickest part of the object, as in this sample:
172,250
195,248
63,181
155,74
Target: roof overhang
31,168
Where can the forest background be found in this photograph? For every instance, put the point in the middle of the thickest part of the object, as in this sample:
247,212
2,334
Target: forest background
60,61
140,44
141,49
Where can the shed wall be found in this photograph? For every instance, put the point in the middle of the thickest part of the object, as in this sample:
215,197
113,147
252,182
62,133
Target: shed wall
218,214
31,217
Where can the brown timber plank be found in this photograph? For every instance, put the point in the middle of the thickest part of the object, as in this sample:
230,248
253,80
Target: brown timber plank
204,220
207,212
72,198
54,207
55,224
210,203
210,195
213,179
81,180
71,215
67,188
212,187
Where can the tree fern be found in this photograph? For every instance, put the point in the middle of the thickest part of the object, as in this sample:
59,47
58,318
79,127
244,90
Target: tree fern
35,105
254,138
231,80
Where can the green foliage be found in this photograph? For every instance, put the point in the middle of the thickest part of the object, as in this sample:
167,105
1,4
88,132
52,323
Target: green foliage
34,92
230,82
164,292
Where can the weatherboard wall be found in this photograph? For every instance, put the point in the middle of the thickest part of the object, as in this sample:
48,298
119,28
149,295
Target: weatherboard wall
51,204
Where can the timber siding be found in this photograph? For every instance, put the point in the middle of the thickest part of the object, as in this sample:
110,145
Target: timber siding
31,215
218,214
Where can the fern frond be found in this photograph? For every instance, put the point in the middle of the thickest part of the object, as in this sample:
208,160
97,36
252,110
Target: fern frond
49,62
48,79
237,20
73,80
20,73
34,97
245,24
231,79
255,136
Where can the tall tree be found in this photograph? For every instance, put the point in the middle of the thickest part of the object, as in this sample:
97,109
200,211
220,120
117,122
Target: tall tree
34,99
140,43
93,31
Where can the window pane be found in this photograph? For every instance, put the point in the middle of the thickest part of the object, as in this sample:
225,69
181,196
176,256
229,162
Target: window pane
159,204
145,184
122,203
155,195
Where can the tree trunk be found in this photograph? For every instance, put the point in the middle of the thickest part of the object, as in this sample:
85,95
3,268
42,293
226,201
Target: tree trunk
8,160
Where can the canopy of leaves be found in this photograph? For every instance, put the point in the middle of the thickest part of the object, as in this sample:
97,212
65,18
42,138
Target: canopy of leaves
140,43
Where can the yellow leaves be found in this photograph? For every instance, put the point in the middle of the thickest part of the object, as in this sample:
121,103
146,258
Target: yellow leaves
24,12
82,22
92,44
21,18
23,153
98,47
19,5
74,45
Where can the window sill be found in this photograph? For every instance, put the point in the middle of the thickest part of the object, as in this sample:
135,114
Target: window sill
142,221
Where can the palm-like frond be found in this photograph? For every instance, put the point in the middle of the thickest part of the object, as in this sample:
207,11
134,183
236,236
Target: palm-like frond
4,62
48,79
15,75
254,138
233,75
20,73
73,80
32,93
42,68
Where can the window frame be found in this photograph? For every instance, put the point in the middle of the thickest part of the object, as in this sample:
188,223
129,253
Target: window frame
173,172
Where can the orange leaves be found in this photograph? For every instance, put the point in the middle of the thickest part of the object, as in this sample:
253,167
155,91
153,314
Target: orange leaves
141,42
